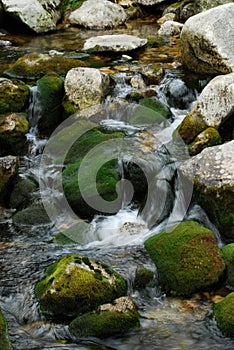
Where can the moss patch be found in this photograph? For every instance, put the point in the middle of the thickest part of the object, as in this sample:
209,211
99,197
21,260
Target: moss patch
187,258
190,127
14,96
228,255
4,339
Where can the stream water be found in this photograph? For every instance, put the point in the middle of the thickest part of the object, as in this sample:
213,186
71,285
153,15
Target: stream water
166,322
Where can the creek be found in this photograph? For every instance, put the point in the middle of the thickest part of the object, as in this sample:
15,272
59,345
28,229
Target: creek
117,240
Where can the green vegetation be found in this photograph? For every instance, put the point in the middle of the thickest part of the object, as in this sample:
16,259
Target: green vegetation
228,255
224,314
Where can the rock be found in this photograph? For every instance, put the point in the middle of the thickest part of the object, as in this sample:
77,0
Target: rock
33,215
14,95
76,284
4,338
187,258
207,138
207,41
109,320
98,14
148,2
167,17
23,192
115,43
39,16
51,91
36,65
212,173
81,195
228,256
143,278
181,10
224,315
8,169
13,129
212,108
84,87
202,5
152,73
170,28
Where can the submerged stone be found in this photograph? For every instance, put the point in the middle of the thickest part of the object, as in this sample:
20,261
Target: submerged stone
187,258
76,284
224,315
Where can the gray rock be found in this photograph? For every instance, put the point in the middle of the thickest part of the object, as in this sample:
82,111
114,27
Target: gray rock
98,14
39,15
207,40
170,28
85,87
115,43
212,172
8,169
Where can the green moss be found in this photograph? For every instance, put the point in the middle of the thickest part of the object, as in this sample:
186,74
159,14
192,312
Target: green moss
104,324
156,106
71,4
155,42
228,255
187,258
4,339
51,92
190,127
35,214
224,314
34,66
14,96
71,289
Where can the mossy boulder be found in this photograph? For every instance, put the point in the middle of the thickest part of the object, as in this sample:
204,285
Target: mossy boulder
8,170
105,181
14,95
154,104
23,192
187,258
36,65
228,256
35,214
51,91
76,284
143,278
190,127
207,138
224,315
109,320
13,129
4,339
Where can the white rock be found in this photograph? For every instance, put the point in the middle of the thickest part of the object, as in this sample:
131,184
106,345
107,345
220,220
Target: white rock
170,28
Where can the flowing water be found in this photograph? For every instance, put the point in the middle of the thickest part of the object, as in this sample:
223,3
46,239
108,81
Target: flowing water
117,240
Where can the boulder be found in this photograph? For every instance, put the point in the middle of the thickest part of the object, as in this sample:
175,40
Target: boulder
13,129
84,87
203,5
207,41
76,284
212,108
39,16
8,169
114,43
228,256
51,91
33,215
224,315
14,95
170,28
98,14
187,258
212,173
35,65
109,320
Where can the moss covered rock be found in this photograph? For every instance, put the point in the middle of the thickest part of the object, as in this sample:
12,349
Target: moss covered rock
76,284
35,214
35,65
228,256
23,192
14,95
4,339
143,278
13,129
110,319
187,258
105,181
8,170
207,138
50,88
224,314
